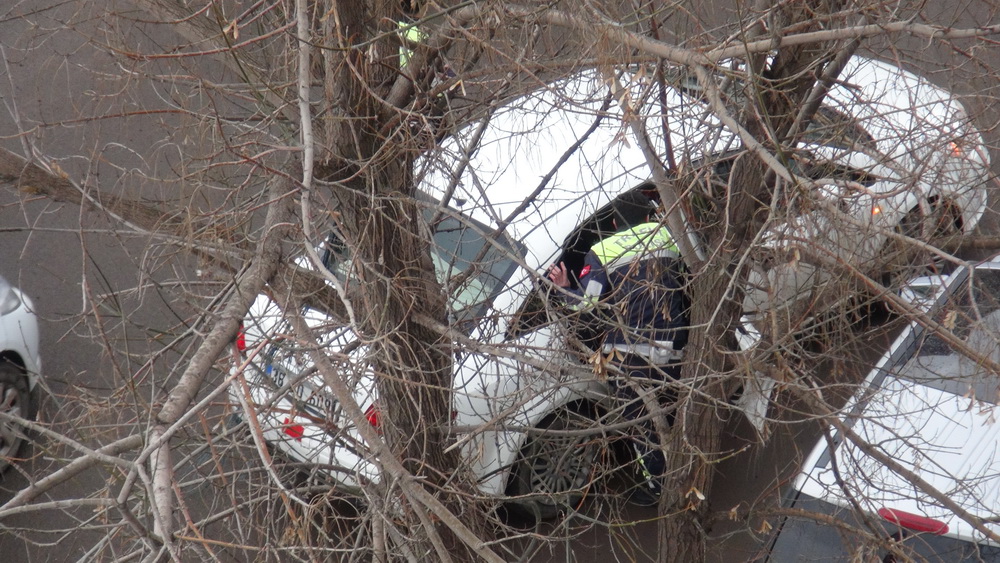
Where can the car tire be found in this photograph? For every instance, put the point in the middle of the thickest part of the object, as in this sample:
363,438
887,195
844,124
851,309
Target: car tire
15,399
552,471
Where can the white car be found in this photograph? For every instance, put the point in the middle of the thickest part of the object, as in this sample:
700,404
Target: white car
930,408
534,192
20,365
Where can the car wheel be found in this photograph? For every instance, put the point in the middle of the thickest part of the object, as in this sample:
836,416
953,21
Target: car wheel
15,400
554,470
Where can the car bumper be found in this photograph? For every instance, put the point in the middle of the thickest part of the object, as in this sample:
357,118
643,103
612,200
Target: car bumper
301,432
19,335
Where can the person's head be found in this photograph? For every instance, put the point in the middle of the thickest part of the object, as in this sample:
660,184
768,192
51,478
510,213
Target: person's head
631,208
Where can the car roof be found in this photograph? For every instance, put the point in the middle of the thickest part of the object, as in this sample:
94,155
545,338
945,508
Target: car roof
933,415
543,164
528,170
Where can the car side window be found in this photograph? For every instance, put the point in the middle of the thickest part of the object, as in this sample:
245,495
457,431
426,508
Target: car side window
470,260
334,253
973,309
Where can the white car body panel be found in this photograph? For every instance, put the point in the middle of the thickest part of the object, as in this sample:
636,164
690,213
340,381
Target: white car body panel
19,351
948,440
19,335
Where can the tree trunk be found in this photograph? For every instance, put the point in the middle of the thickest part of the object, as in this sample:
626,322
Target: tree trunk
382,222
696,436
782,86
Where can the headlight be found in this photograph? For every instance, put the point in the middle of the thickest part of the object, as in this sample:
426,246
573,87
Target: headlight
9,301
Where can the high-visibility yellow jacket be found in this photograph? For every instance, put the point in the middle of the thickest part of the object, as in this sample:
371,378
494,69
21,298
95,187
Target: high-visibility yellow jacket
633,281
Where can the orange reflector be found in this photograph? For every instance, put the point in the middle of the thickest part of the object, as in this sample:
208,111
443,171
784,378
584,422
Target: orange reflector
876,210
294,430
956,150
913,522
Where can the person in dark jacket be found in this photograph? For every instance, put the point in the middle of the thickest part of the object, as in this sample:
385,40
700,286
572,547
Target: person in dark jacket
633,282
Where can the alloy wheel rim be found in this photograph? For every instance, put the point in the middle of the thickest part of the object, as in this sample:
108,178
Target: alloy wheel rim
561,465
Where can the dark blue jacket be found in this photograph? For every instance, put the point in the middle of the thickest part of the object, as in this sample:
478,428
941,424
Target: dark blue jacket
634,280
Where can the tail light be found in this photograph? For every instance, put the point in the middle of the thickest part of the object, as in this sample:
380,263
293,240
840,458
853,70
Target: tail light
241,338
294,430
372,414
914,522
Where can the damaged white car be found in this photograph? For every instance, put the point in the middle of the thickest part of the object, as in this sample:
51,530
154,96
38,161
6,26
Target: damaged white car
887,149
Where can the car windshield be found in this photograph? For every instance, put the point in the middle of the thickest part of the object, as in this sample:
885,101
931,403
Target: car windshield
972,317
829,126
469,259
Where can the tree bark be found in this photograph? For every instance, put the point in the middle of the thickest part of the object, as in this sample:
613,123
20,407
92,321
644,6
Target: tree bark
392,270
785,81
